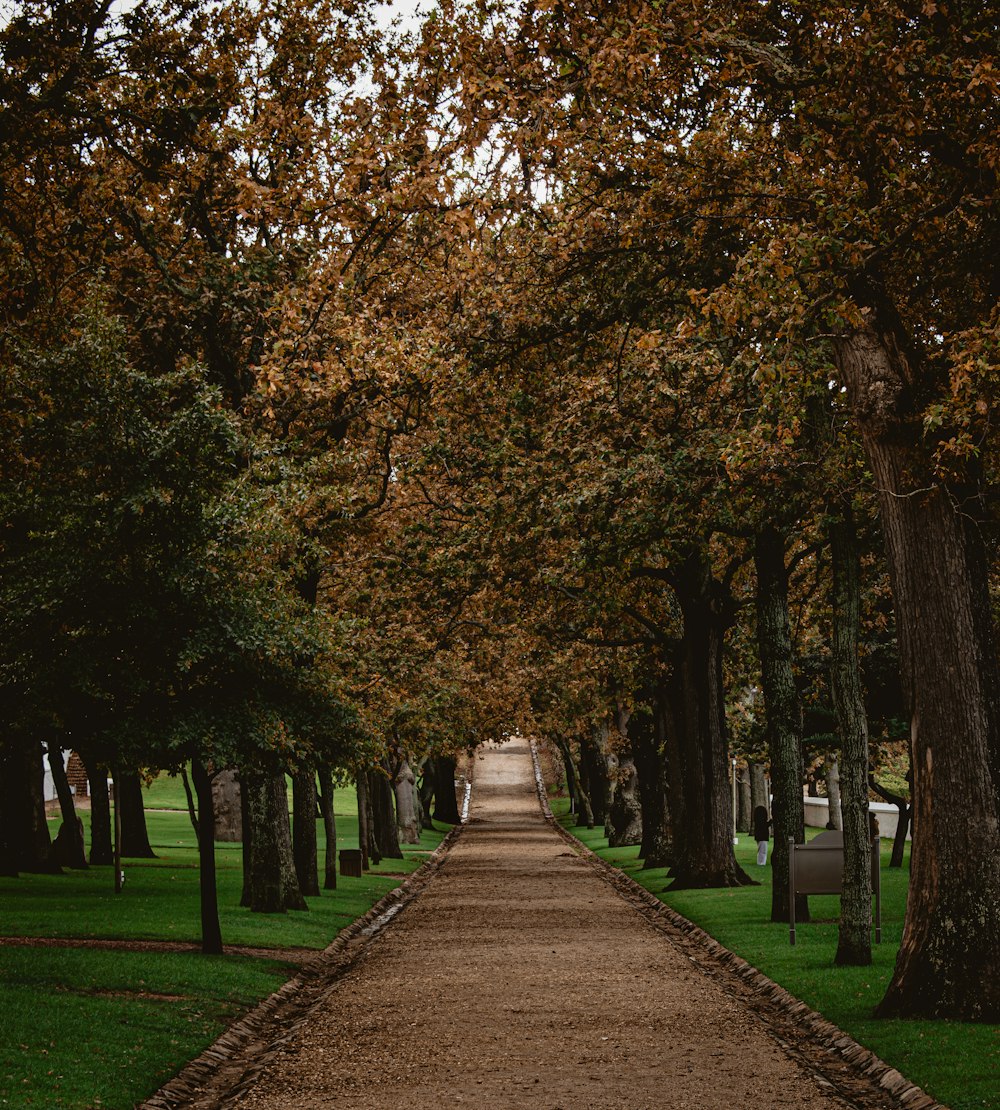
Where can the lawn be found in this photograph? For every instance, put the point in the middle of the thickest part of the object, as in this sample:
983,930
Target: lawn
87,1028
958,1063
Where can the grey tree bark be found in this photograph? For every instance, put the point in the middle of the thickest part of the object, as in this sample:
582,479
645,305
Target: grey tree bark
274,885
831,771
625,815
783,713
407,818
228,807
854,946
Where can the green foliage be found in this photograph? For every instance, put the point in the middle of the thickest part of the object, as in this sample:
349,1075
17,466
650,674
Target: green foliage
148,606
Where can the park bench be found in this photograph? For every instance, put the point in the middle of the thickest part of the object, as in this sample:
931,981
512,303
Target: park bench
818,868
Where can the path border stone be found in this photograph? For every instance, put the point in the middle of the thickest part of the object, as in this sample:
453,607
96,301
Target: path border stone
833,1057
234,1060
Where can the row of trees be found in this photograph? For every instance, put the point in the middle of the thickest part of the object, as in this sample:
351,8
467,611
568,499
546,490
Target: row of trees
204,364
559,366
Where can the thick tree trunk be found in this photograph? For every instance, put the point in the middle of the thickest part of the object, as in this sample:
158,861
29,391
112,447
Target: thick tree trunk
626,809
407,818
68,847
247,824
948,965
758,788
228,807
101,847
831,772
26,831
783,712
855,942
594,770
656,849
211,930
329,827
135,837
274,886
425,792
8,836
703,837
305,849
445,804
364,821
744,805
384,829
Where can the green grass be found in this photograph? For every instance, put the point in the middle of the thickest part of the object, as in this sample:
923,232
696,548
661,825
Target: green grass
78,1028
104,1029
958,1063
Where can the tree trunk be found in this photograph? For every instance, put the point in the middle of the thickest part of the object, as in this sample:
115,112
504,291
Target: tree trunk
383,813
407,819
247,824
445,804
783,715
211,930
758,788
425,792
570,771
902,821
594,769
703,837
656,849
305,850
26,830
101,848
8,836
135,837
855,941
329,827
948,965
744,806
625,815
191,804
228,807
831,772
365,837
68,847
274,886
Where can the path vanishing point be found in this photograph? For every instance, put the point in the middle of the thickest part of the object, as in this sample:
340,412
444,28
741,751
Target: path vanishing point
519,978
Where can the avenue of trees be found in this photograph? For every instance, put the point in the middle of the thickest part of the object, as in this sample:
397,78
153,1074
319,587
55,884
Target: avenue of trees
622,373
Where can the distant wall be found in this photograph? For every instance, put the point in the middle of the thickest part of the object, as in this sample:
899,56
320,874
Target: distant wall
818,814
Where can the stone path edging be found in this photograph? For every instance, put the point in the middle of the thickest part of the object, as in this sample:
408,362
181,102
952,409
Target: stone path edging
235,1058
715,958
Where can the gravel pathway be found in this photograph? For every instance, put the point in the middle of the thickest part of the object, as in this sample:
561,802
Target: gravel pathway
519,978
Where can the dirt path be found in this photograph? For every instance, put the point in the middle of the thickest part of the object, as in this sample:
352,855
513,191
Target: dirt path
520,979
